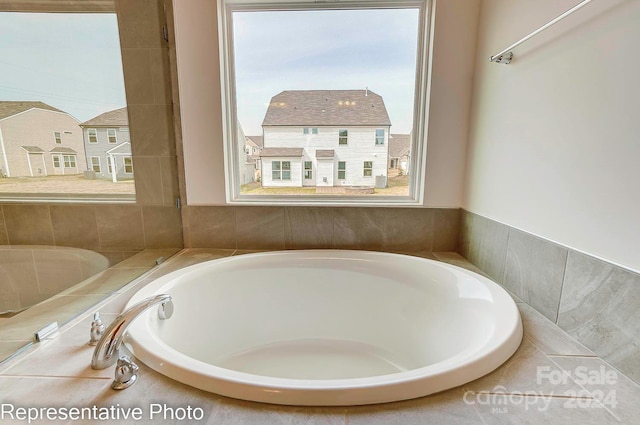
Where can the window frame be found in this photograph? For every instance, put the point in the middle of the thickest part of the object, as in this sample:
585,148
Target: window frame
342,137
57,137
342,170
368,169
71,160
281,170
379,137
115,136
129,166
93,166
229,153
308,171
89,131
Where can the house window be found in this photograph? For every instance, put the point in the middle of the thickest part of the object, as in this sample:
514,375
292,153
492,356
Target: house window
58,137
111,135
368,169
281,170
308,170
56,161
92,134
342,170
128,165
350,109
343,135
95,164
379,137
69,161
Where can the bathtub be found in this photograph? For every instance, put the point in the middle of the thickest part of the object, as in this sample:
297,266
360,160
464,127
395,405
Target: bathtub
30,274
326,327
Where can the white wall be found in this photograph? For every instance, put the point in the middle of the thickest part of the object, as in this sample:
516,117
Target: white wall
201,114
555,138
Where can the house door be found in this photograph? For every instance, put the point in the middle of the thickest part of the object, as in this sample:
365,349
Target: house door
325,172
38,167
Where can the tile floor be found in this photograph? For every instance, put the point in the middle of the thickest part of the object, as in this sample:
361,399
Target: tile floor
551,379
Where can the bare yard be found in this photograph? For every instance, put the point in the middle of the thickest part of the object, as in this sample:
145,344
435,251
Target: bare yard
65,184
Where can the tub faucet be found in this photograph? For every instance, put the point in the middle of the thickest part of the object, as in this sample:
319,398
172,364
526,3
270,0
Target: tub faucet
107,350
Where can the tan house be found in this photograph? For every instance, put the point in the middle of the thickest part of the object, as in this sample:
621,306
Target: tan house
39,140
399,152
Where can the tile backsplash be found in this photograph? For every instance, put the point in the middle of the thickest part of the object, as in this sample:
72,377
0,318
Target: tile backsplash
596,302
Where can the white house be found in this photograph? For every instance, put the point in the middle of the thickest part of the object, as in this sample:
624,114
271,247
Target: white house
38,140
325,138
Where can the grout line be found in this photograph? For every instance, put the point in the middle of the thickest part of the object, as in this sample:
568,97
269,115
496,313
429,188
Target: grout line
564,277
92,378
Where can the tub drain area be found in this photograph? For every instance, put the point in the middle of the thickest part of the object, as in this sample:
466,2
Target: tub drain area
314,359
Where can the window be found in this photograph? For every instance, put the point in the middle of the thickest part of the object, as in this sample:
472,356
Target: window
308,170
69,161
379,137
128,165
111,135
58,137
343,135
342,170
281,170
259,31
95,164
368,169
56,161
92,135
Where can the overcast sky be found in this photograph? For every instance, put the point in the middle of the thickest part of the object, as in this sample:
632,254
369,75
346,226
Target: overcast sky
73,61
325,50
69,61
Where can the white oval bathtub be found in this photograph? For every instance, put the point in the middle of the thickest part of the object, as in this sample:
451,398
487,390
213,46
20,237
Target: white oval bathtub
326,327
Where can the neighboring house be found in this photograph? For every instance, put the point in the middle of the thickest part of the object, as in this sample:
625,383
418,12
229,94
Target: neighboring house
399,152
325,138
108,145
247,167
39,140
253,147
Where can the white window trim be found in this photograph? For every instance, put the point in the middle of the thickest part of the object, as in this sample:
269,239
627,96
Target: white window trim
99,164
206,185
55,139
89,135
124,164
115,136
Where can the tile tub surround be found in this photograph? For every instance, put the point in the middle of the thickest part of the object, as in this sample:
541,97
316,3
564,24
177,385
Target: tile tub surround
596,302
380,229
497,398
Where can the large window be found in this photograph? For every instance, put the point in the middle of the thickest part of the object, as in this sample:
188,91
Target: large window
281,170
328,76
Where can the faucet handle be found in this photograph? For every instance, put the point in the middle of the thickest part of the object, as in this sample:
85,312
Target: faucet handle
126,373
97,329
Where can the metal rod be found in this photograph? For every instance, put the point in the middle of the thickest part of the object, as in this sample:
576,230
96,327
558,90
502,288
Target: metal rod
539,30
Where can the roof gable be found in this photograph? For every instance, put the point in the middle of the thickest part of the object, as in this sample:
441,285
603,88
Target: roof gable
10,108
327,108
115,118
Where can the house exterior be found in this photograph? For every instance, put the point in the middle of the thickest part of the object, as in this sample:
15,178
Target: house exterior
325,138
108,145
253,147
38,140
399,152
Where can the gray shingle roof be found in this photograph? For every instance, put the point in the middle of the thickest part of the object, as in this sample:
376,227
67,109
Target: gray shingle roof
273,152
9,108
327,108
33,149
115,118
257,140
399,145
62,150
325,153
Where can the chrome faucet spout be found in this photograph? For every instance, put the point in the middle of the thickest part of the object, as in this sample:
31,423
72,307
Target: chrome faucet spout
107,350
